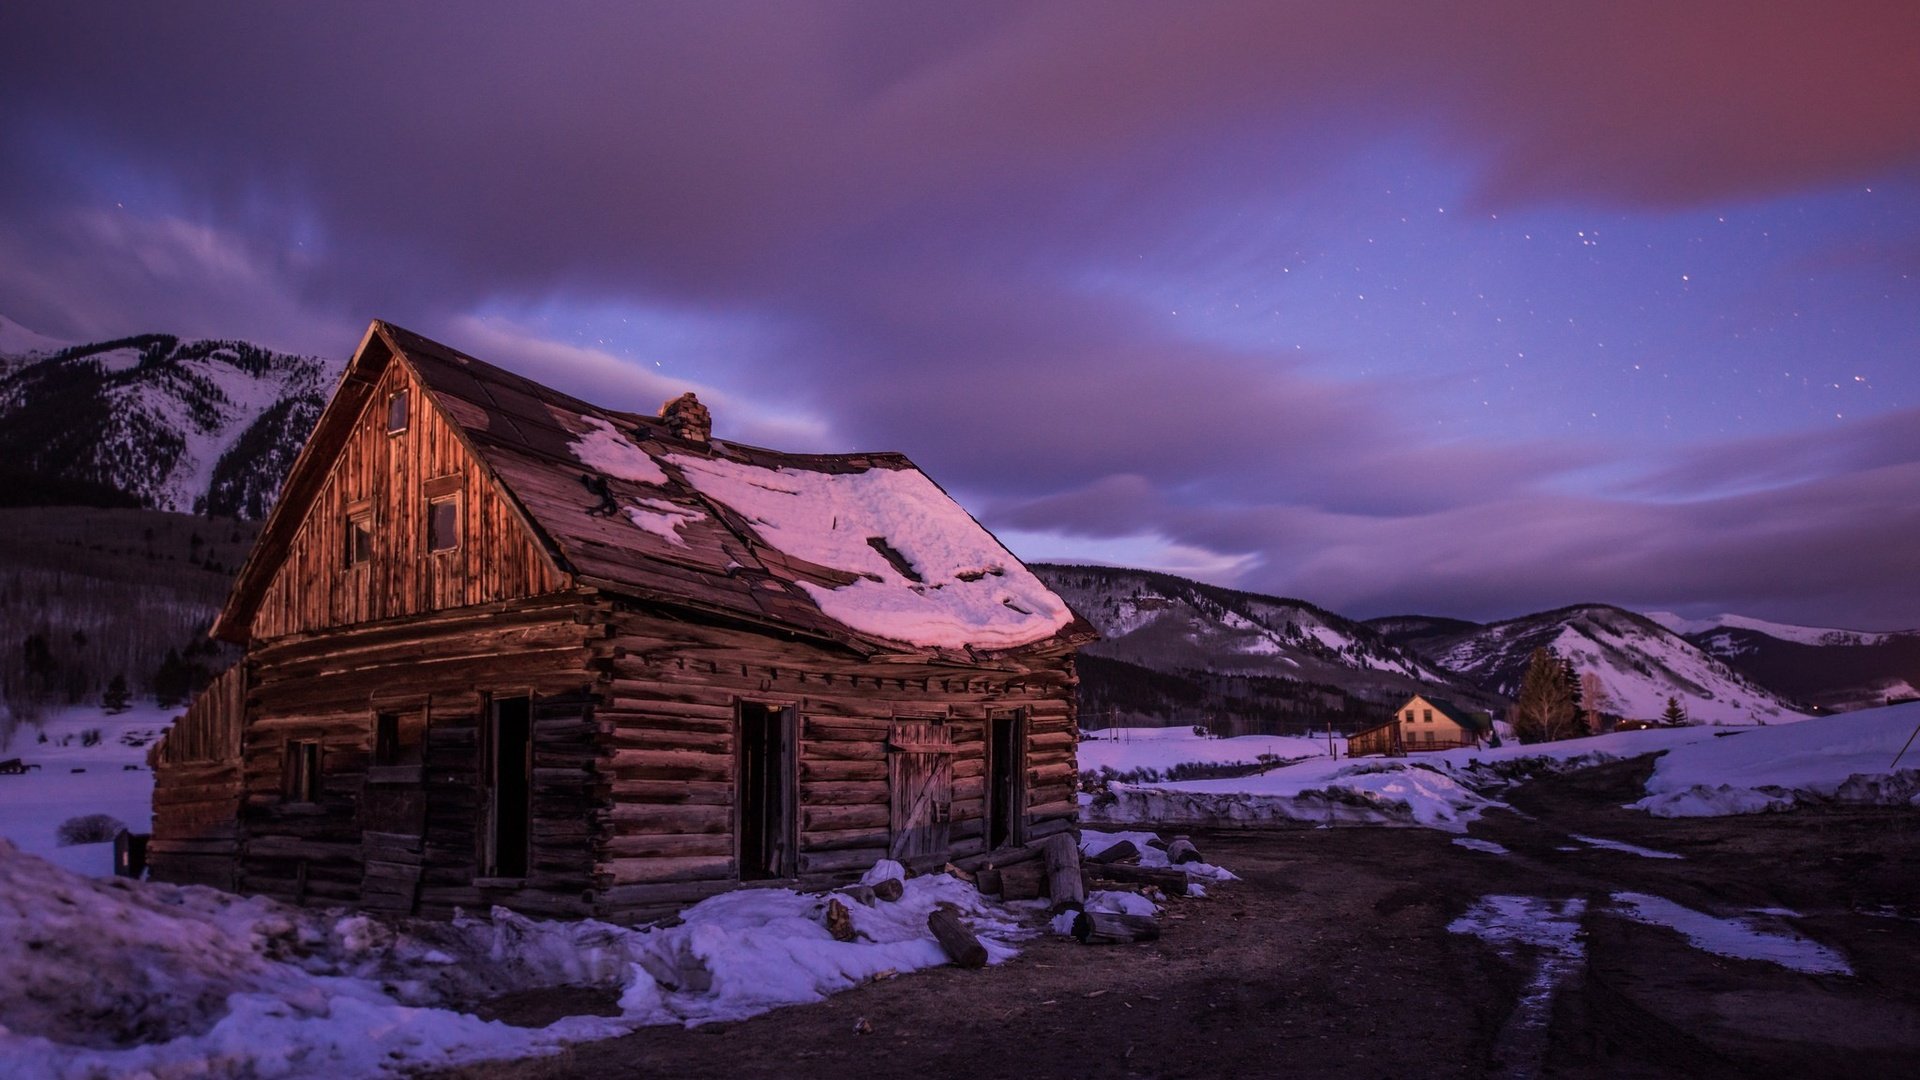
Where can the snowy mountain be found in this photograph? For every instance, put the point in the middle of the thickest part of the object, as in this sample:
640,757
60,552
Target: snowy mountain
153,421
1198,650
1639,662
1831,668
19,344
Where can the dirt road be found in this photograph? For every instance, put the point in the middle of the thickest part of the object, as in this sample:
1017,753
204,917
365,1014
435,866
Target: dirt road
1334,958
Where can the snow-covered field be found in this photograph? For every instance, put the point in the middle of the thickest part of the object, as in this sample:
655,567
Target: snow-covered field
1843,758
1126,749
33,804
1705,771
111,977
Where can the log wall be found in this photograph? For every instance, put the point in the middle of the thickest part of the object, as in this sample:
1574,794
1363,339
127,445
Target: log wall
408,837
391,476
196,788
668,697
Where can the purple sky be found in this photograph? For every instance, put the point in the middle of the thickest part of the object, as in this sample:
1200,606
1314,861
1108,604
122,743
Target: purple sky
1469,309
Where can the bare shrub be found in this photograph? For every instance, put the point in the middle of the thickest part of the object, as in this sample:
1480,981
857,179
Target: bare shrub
89,829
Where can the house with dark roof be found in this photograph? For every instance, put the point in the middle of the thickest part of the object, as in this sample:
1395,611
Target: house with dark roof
1422,723
503,646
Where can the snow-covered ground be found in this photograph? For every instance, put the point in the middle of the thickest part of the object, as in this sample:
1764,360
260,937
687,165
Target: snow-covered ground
1127,749
1704,771
112,977
34,804
1845,758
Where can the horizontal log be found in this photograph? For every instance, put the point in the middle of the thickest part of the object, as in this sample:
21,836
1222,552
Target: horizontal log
655,871
660,845
633,818
843,792
673,792
824,862
815,818
842,839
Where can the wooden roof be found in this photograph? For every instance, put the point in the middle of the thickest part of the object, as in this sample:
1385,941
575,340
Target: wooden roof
523,433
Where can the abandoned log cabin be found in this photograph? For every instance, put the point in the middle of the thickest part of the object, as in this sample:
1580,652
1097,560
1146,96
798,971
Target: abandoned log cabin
506,647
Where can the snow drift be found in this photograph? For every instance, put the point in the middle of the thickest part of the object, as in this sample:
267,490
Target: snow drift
1829,759
111,977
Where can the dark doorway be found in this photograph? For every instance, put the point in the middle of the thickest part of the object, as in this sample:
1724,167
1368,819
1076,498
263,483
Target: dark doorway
1006,787
766,793
509,768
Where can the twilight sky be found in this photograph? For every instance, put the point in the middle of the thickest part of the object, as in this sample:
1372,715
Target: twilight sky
1468,309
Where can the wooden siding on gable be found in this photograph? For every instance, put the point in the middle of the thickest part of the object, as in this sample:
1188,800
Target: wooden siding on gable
392,476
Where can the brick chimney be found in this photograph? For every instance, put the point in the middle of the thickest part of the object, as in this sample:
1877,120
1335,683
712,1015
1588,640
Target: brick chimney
687,419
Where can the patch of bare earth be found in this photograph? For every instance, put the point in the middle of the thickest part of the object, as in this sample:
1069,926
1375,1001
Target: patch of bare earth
1333,958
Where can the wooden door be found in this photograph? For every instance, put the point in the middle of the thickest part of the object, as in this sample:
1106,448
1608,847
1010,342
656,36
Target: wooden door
393,807
920,783
766,804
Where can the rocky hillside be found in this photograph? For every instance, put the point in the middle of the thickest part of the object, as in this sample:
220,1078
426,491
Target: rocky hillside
1828,668
1180,651
152,421
1639,662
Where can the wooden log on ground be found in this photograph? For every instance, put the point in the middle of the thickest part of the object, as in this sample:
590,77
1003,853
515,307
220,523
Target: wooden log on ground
1112,928
1171,882
961,945
1124,851
1022,881
1065,887
863,894
889,889
987,880
840,921
1182,851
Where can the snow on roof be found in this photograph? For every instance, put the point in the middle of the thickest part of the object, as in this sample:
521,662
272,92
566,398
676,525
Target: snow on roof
603,449
928,573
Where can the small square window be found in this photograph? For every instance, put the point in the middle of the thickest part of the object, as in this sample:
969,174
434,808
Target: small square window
397,413
359,540
443,524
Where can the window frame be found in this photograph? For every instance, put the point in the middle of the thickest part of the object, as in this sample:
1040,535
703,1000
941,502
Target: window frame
361,521
403,397
300,771
455,500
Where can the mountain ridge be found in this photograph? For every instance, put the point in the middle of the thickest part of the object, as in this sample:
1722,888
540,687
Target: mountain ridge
156,421
1639,663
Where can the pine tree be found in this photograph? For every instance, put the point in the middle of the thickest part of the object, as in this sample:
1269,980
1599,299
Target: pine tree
1572,679
116,698
1675,715
1544,709
173,682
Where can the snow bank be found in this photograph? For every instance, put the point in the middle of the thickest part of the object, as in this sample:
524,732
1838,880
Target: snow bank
1843,759
963,588
114,977
1361,791
1444,789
